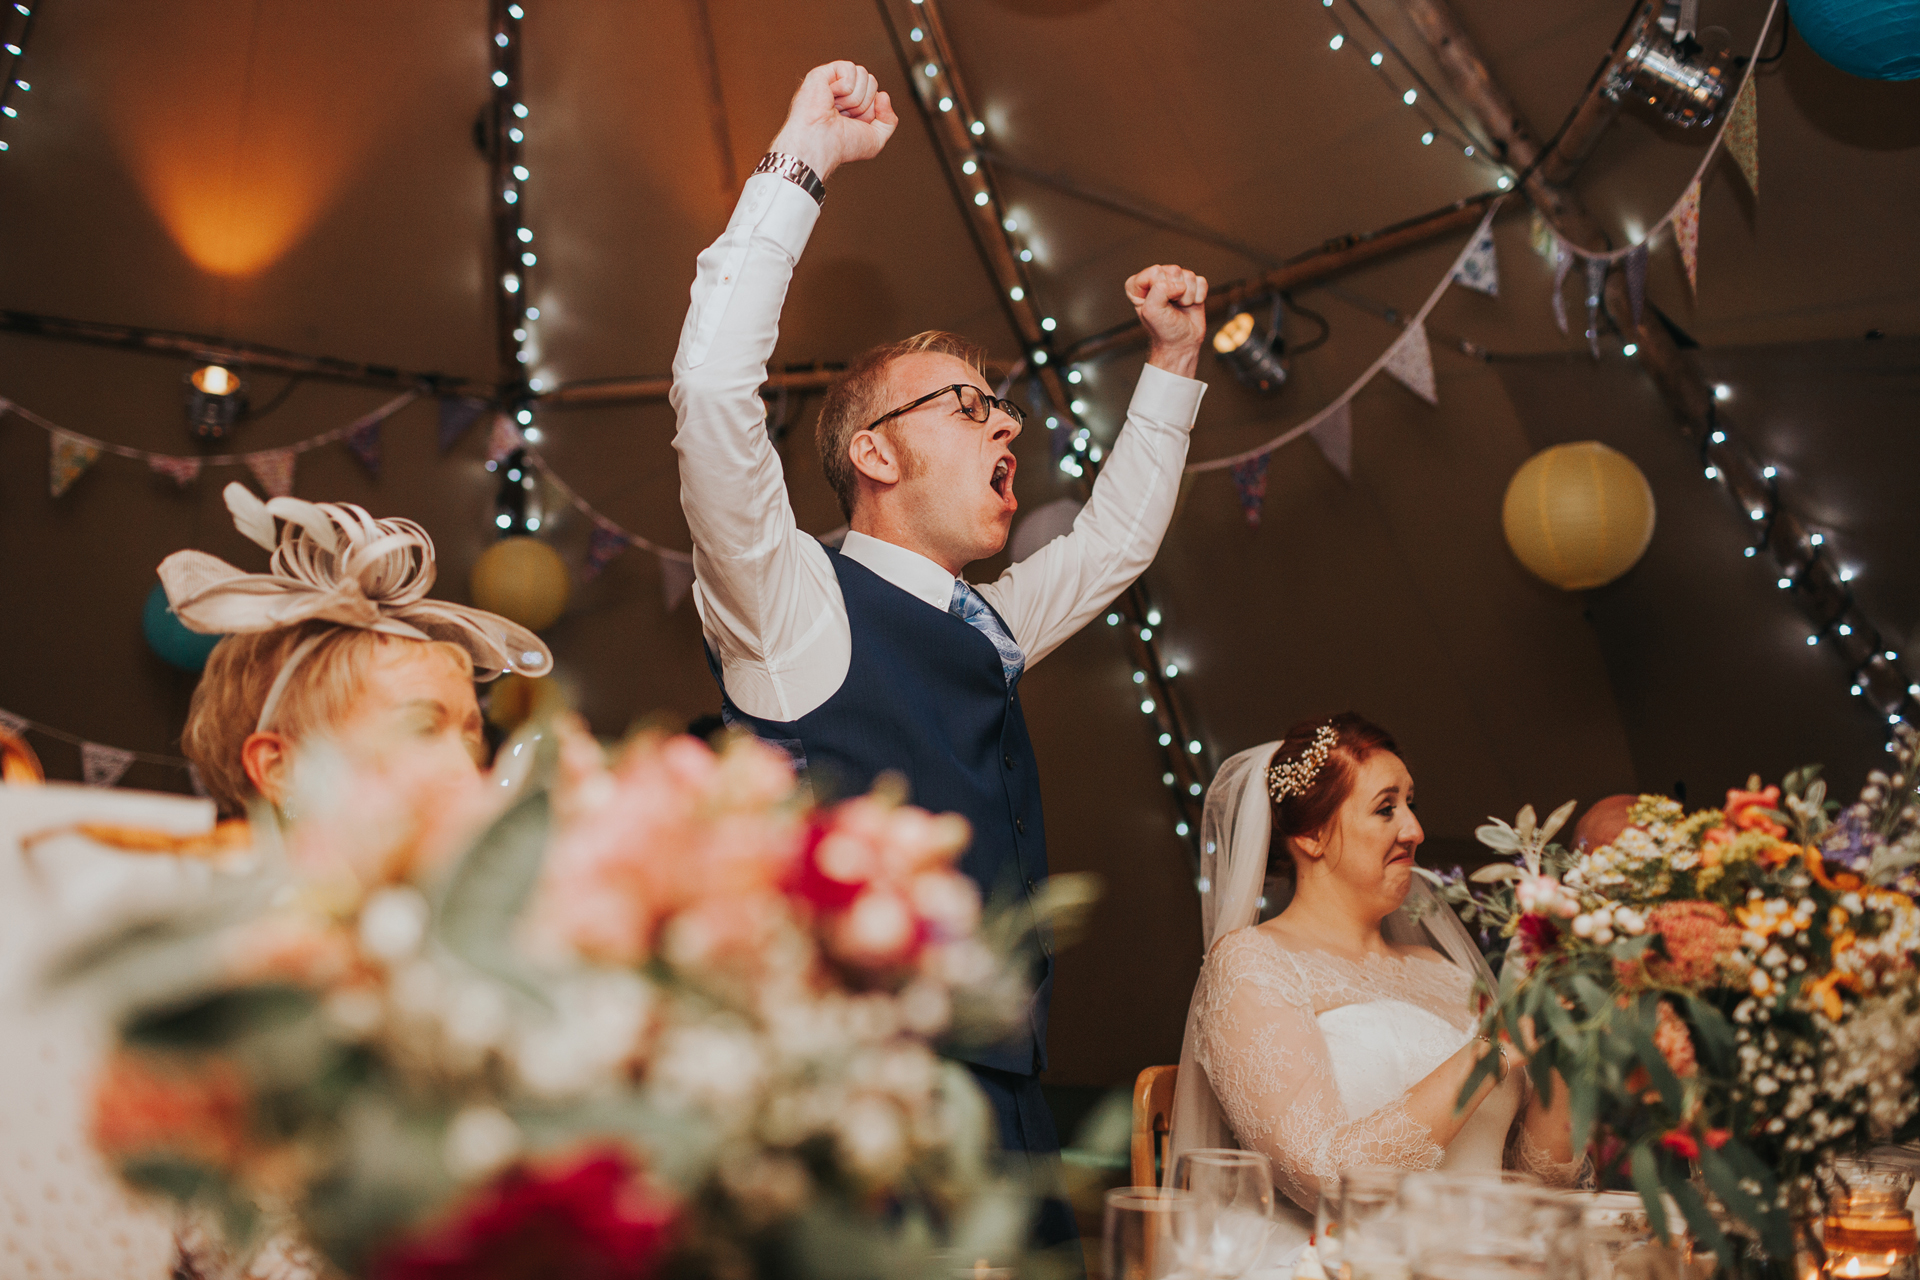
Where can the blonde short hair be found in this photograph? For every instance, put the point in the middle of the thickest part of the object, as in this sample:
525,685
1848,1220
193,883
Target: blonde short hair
859,397
226,705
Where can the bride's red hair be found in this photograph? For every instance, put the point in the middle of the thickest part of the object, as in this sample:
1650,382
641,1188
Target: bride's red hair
1355,740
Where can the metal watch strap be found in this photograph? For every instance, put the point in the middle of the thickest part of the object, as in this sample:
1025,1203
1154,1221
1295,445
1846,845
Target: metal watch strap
794,170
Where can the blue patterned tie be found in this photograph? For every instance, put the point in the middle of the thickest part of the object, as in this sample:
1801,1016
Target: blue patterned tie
968,606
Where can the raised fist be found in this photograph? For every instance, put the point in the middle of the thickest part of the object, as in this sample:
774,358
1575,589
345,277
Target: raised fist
1172,303
839,114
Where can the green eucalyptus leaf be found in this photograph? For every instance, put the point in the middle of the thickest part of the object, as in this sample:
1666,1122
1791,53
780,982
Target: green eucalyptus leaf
1557,819
1497,873
490,886
1700,1221
1712,1033
219,1020
1640,1024
1644,1169
1498,836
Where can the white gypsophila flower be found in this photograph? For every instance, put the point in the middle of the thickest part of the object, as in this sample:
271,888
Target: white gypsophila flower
600,1023
418,989
393,923
872,1018
961,964
871,1138
356,1012
479,1141
765,1187
925,1009
718,1067
477,1017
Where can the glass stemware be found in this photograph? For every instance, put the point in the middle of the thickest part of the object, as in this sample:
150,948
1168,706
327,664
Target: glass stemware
1490,1227
1148,1233
1371,1235
1233,1207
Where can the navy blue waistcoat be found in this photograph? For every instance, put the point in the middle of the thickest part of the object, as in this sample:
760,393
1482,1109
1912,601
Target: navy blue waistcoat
926,698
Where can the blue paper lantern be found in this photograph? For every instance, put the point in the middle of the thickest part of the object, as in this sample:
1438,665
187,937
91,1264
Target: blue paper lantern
1873,39
176,645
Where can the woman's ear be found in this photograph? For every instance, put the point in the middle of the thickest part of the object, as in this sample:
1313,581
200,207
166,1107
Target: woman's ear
1306,848
268,760
874,456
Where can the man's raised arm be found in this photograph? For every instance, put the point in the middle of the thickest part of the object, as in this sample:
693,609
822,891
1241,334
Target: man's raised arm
760,584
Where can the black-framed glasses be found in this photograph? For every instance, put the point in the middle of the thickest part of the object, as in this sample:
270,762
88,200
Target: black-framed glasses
974,402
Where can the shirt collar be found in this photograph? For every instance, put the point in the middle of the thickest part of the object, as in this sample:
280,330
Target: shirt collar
908,570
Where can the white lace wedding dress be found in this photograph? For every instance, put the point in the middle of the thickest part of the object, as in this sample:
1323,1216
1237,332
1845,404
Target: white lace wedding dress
1311,1056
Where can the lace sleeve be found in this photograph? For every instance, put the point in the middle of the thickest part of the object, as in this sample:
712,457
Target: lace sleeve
1267,1061
1528,1156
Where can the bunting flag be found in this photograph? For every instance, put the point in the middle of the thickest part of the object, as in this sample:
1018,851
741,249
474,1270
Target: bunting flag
1635,265
13,724
71,457
504,440
1334,435
364,440
274,470
182,471
457,413
102,766
1250,478
676,579
1596,286
1478,269
1686,232
1562,263
1743,135
603,545
1411,363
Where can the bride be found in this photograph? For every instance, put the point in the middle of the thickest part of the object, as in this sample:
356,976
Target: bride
1340,1033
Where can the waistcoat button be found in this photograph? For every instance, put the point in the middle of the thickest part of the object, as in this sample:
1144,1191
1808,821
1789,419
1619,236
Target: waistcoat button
1020,825
1009,760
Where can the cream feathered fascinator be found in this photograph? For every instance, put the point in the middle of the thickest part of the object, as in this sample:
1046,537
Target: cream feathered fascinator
333,562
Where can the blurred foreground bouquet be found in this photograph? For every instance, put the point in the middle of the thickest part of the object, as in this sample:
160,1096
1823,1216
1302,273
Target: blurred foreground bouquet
1730,995
653,1015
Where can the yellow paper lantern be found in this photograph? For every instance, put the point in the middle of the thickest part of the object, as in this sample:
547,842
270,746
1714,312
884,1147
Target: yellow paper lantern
522,579
1578,515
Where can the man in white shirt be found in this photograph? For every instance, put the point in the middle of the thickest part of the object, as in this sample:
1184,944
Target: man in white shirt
880,656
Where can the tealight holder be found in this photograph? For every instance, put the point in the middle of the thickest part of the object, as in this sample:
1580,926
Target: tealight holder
1868,1233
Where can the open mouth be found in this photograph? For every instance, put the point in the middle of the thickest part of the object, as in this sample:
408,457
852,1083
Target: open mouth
1002,480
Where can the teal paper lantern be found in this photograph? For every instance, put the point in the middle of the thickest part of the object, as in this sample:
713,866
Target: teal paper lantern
1873,39
177,646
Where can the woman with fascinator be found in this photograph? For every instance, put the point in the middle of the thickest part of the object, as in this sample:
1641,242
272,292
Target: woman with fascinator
1339,1033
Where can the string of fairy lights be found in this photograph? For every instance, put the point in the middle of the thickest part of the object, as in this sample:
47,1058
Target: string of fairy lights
16,30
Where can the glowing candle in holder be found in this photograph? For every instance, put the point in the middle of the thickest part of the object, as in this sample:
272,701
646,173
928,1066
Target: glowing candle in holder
1868,1234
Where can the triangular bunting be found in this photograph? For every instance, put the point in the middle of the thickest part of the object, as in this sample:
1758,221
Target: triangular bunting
1596,286
274,470
457,413
504,440
1686,232
70,458
676,579
1411,363
1250,479
603,544
1334,435
1743,135
102,766
364,440
1479,270
1635,266
182,471
1562,263
194,780
13,724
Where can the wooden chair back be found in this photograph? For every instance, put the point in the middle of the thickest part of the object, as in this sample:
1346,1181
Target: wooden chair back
1152,1122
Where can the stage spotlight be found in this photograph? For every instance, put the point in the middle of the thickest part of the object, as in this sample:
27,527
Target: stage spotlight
215,400
1673,71
1254,357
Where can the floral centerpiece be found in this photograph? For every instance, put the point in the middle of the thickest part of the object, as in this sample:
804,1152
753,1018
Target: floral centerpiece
660,1015
1730,995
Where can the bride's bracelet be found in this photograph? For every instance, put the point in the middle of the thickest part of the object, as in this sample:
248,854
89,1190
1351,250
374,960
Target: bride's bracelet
1500,1075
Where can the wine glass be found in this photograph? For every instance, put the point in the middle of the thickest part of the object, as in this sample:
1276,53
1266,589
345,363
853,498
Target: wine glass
1148,1233
1326,1229
1490,1227
1233,1207
1370,1231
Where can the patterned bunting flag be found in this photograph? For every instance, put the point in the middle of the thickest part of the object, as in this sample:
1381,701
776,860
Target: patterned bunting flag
70,458
1250,478
1743,135
603,544
274,470
182,471
1411,363
1636,273
1334,435
364,440
1596,286
676,579
1479,270
1562,263
504,440
102,766
1686,232
457,413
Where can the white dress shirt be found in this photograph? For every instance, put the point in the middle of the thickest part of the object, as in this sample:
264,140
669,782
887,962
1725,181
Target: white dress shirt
770,605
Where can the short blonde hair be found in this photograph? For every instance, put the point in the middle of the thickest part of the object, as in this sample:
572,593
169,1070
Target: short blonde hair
858,397
240,672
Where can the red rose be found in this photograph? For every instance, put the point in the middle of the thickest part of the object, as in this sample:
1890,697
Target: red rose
1681,1144
1537,934
815,883
592,1219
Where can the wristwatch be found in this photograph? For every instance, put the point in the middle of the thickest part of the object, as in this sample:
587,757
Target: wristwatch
794,170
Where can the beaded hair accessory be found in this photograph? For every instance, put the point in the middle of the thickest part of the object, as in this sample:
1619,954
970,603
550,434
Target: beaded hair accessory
1294,776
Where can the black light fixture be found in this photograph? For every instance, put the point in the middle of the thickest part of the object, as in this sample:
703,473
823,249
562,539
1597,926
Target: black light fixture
216,399
1671,69
1256,358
